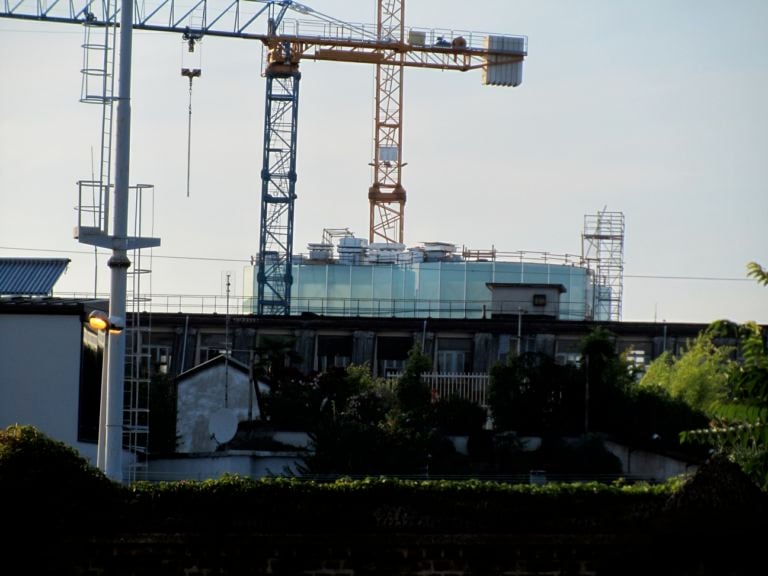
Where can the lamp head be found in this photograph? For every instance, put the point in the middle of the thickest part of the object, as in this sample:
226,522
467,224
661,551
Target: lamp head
99,321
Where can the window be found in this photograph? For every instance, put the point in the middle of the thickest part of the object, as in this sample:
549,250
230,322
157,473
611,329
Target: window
454,354
391,353
91,359
451,361
160,355
539,299
333,351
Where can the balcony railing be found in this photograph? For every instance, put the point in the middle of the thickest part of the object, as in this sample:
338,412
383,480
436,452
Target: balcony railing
472,386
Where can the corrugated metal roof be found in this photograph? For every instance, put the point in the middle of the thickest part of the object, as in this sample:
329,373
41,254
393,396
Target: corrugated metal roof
30,276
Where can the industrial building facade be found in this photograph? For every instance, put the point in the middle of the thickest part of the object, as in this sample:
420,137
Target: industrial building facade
178,341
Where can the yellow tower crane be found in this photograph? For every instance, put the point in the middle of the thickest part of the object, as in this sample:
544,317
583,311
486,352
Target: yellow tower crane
391,48
389,45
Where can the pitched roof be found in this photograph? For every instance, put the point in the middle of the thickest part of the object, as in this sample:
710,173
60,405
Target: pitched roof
30,276
213,362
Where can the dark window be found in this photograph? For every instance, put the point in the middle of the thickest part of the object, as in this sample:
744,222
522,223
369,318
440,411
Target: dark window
89,400
391,353
333,351
539,299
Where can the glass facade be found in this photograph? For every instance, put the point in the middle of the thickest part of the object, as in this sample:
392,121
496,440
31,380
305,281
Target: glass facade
447,289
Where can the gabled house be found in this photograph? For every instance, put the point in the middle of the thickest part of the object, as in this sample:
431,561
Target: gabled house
219,428
212,399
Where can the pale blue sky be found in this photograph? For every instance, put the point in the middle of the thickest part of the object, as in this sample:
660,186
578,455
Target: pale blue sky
655,108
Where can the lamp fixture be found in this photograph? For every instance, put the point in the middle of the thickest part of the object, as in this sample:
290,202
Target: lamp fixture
99,321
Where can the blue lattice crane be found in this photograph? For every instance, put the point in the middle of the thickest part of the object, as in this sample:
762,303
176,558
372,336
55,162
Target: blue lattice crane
388,45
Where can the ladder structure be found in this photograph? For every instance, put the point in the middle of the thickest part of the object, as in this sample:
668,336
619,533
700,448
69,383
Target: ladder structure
602,246
138,357
94,228
97,87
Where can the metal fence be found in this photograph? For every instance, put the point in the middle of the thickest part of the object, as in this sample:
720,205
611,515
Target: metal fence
472,386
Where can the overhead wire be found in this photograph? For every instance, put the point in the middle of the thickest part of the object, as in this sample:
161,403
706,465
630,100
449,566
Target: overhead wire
246,261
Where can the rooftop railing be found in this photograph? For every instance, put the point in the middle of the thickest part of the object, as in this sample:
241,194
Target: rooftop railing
344,307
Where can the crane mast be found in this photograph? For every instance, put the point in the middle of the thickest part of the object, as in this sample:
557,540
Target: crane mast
278,174
386,195
390,46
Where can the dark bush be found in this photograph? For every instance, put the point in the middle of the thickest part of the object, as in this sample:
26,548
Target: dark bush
459,416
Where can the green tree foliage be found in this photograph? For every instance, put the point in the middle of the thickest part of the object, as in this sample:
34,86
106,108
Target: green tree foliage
413,395
739,425
293,401
754,270
607,377
369,427
649,418
532,394
459,416
35,471
698,376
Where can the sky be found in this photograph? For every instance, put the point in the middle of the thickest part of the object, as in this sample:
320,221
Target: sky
655,109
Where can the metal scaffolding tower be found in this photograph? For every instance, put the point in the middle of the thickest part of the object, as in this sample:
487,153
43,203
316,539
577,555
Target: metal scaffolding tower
602,248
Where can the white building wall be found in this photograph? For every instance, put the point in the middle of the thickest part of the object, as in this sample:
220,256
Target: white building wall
205,393
40,375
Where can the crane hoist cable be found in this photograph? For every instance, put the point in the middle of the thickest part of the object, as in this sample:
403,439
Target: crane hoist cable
191,73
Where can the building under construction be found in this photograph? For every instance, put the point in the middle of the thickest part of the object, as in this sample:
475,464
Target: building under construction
346,276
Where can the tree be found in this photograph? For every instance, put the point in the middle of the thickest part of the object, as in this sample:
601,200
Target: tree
698,376
757,272
607,377
739,427
413,395
293,400
530,393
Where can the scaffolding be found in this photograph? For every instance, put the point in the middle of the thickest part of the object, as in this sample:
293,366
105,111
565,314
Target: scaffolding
602,245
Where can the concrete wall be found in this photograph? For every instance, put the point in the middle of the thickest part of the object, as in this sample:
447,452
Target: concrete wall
648,464
248,463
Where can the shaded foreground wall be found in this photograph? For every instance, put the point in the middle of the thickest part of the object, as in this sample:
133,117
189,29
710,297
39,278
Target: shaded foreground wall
713,526
412,554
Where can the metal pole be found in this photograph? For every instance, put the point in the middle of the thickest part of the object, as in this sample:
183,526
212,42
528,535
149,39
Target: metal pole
119,261
519,327
101,446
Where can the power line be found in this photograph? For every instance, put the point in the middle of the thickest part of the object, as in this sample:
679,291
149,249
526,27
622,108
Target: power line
165,257
248,261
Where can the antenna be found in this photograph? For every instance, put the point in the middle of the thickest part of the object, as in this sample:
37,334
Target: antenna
191,73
